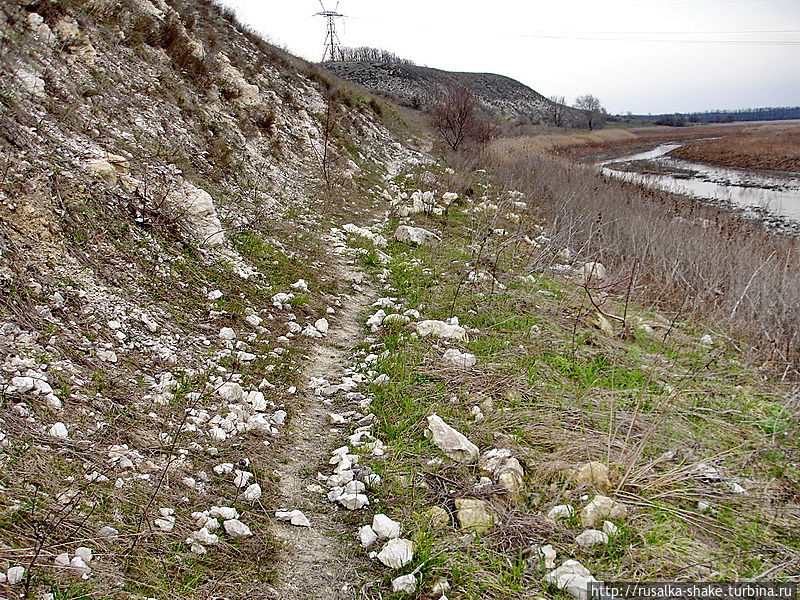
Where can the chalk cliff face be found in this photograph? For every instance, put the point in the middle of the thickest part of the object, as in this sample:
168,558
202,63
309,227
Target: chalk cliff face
418,87
171,195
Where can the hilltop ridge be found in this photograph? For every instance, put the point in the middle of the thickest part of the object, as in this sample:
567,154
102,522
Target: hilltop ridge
419,87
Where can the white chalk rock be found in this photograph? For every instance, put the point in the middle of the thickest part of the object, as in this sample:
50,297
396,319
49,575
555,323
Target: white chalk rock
295,517
366,536
405,584
562,511
600,509
322,325
548,555
79,566
460,359
448,198
231,392
14,575
441,329
353,501
609,528
197,213
592,272
415,236
204,536
59,430
573,578
62,560
384,527
85,553
591,537
252,493
235,528
453,443
397,553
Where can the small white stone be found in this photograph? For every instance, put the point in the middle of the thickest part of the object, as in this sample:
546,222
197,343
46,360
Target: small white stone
548,555
62,560
562,511
85,553
107,533
591,537
79,565
241,478
609,528
406,584
295,517
198,548
353,501
397,553
253,320
59,430
385,528
440,586
14,575
235,528
166,525
367,536
204,536
322,325
252,493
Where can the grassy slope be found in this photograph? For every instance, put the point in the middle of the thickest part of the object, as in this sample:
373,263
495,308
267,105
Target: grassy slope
648,400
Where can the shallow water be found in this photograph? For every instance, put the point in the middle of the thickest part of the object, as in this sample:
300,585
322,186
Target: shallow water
771,193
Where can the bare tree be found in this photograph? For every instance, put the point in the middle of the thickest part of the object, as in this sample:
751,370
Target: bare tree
456,117
592,110
557,110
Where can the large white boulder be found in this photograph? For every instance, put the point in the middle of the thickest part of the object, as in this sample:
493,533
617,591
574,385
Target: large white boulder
415,235
197,212
450,441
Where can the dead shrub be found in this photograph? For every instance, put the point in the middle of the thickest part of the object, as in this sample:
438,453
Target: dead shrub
689,257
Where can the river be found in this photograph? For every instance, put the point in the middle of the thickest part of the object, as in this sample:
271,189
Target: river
771,196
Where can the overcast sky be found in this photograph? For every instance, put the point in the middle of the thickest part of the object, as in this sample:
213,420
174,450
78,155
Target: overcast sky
635,55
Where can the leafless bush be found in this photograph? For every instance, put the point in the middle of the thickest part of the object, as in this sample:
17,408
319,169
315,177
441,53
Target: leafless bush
704,259
456,118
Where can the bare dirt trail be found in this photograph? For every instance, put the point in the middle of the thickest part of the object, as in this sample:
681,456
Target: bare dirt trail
314,563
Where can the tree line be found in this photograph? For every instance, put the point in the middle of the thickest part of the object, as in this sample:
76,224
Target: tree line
770,113
373,55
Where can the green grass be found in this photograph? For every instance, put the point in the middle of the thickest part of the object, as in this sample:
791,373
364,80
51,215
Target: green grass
564,391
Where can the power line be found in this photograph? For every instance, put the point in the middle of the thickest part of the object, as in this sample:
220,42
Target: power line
590,38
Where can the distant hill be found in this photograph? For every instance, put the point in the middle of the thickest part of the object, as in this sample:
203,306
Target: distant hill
418,87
